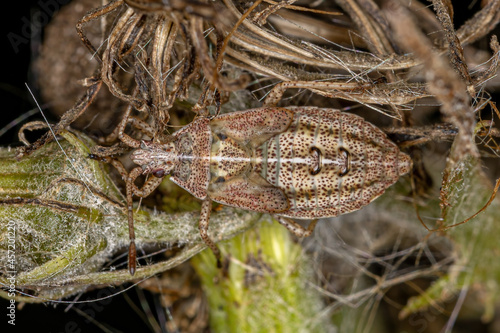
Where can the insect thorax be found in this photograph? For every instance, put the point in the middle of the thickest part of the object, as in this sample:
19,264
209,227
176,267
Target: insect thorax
228,158
192,172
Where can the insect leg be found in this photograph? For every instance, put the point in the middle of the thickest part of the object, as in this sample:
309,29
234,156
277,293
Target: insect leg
131,189
326,88
206,208
119,132
296,228
132,251
150,185
129,179
141,125
126,139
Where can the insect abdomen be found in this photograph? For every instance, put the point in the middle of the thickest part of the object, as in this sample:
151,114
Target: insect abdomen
330,163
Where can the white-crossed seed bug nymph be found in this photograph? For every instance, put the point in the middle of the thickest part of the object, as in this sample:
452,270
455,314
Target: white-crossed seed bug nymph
295,162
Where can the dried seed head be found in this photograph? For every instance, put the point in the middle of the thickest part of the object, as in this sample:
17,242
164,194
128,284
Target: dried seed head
158,159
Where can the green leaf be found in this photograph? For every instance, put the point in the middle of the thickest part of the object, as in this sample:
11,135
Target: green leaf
264,286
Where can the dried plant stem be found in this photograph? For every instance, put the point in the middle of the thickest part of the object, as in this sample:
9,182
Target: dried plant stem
442,81
367,16
480,24
455,49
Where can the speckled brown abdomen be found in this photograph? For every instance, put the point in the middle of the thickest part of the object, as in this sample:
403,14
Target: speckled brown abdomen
329,163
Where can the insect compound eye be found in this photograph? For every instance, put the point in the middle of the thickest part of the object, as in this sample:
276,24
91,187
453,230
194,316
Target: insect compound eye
158,173
221,136
220,180
317,158
345,157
